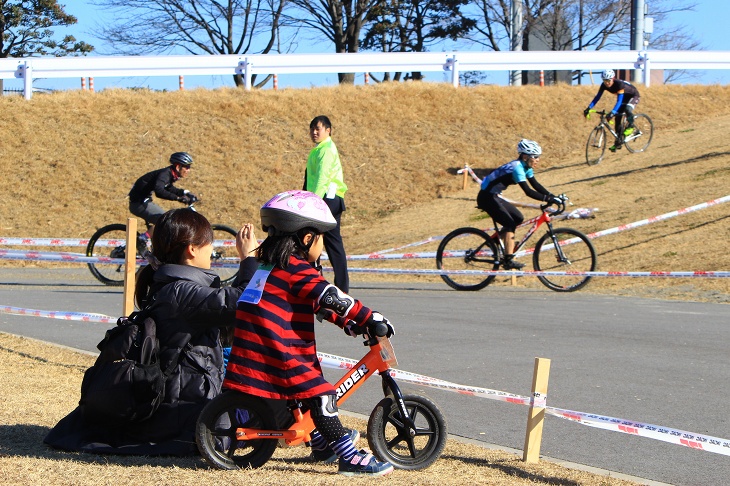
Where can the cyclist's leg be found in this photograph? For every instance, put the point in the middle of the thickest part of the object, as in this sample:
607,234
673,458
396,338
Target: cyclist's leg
629,109
147,210
620,125
150,213
503,213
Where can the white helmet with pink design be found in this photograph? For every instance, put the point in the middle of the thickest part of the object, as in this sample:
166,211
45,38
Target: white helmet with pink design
290,211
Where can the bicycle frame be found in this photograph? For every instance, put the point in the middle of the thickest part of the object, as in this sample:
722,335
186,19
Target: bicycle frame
621,117
379,358
537,221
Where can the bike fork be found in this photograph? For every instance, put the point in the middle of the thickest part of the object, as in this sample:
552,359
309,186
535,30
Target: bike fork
390,387
558,249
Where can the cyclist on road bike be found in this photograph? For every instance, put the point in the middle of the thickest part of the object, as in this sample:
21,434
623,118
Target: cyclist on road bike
519,171
160,182
627,97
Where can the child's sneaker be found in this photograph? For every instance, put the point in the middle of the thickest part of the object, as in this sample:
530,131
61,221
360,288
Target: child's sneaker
327,455
364,464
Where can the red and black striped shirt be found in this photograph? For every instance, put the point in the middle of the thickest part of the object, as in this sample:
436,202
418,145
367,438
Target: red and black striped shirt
274,352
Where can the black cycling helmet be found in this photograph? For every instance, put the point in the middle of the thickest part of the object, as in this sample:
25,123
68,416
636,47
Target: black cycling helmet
182,158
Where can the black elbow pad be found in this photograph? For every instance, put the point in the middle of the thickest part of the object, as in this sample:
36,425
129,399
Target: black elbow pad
336,300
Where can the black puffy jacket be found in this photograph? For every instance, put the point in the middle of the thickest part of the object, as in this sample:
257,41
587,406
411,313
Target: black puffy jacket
189,309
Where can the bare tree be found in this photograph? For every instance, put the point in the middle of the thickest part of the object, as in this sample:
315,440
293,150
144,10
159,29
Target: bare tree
194,26
414,26
340,21
592,24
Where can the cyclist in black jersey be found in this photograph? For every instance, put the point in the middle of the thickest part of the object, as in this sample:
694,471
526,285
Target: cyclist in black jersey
160,182
627,97
519,171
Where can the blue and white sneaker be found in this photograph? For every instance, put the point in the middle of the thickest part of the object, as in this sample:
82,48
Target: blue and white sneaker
327,455
364,464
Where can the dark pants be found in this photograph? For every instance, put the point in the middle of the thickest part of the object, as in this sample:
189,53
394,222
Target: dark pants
500,210
334,246
147,210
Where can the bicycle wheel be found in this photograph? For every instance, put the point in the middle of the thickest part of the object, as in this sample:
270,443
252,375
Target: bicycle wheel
596,146
467,249
643,133
580,256
215,431
224,253
390,438
110,242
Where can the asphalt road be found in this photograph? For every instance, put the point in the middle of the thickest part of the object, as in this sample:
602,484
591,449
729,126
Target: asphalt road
659,362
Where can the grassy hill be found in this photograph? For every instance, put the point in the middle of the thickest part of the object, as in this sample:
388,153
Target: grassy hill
68,160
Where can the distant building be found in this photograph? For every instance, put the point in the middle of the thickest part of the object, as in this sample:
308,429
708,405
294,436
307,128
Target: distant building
656,77
547,34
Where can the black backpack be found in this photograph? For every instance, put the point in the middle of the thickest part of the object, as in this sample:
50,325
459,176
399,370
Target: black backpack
126,383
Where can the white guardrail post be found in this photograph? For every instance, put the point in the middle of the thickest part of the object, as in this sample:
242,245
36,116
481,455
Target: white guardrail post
26,71
247,66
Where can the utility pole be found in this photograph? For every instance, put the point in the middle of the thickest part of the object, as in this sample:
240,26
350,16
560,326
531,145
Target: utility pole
580,36
515,37
638,9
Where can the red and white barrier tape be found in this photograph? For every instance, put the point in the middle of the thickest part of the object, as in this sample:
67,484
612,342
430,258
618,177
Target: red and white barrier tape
666,434
12,241
66,316
578,213
661,217
78,258
535,273
44,242
470,172
73,257
673,436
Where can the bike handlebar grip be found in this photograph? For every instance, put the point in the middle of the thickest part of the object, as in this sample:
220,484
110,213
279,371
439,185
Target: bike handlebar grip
380,329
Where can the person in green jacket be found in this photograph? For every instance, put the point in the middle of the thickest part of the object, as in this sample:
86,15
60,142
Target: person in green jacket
323,177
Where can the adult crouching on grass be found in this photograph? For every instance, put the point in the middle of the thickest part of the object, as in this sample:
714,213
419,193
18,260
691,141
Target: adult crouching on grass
189,308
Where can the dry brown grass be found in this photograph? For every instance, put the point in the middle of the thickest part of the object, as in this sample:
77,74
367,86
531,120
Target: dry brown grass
68,160
54,376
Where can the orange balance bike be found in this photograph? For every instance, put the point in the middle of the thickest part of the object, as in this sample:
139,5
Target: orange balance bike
238,431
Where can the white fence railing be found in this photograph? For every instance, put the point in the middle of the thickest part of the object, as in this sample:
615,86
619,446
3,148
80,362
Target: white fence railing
453,62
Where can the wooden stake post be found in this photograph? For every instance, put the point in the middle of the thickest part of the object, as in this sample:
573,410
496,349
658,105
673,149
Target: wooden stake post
130,265
464,173
536,415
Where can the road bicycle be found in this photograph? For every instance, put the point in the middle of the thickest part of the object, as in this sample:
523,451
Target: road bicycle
238,431
635,142
110,242
558,250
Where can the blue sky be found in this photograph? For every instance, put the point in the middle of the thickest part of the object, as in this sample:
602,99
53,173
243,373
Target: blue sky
705,24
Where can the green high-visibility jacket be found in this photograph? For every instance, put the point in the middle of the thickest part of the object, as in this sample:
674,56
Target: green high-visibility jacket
324,168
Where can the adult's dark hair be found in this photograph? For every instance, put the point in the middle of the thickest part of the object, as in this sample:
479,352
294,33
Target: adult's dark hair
276,250
321,119
174,231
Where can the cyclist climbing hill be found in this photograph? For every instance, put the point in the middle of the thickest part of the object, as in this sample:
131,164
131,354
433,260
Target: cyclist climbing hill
627,97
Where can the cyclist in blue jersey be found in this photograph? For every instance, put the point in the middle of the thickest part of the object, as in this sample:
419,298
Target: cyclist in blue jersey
519,171
627,97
